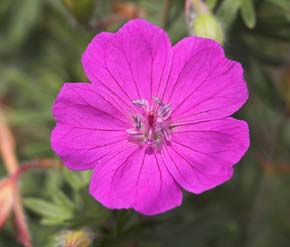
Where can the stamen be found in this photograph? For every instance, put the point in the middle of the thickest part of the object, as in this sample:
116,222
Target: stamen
166,134
158,101
164,111
151,126
133,132
140,102
138,122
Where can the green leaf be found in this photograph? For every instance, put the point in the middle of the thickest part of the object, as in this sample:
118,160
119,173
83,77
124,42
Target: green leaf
61,199
73,179
263,85
4,6
82,10
48,210
227,12
248,13
86,177
284,4
50,221
24,18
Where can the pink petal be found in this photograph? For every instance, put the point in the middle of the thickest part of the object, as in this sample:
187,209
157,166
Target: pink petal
131,64
135,178
203,84
90,125
201,155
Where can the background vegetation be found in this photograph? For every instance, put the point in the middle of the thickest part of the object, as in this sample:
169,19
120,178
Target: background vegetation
40,48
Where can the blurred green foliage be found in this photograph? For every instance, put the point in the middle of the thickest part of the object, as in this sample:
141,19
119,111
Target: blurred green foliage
40,48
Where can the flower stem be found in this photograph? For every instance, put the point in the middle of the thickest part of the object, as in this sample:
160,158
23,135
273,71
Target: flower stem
165,13
7,146
8,153
36,164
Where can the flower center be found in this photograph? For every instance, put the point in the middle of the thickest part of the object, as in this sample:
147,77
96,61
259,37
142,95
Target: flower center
151,124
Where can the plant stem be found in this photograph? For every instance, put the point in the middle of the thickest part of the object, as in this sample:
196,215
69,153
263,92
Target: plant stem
8,153
7,146
36,164
165,13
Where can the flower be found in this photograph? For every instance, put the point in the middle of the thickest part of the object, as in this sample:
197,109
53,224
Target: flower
80,238
75,238
154,120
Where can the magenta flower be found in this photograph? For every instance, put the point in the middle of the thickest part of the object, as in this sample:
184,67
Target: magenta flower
154,120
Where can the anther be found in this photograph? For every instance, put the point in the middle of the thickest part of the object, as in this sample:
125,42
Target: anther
158,101
138,122
166,134
164,111
140,102
133,132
